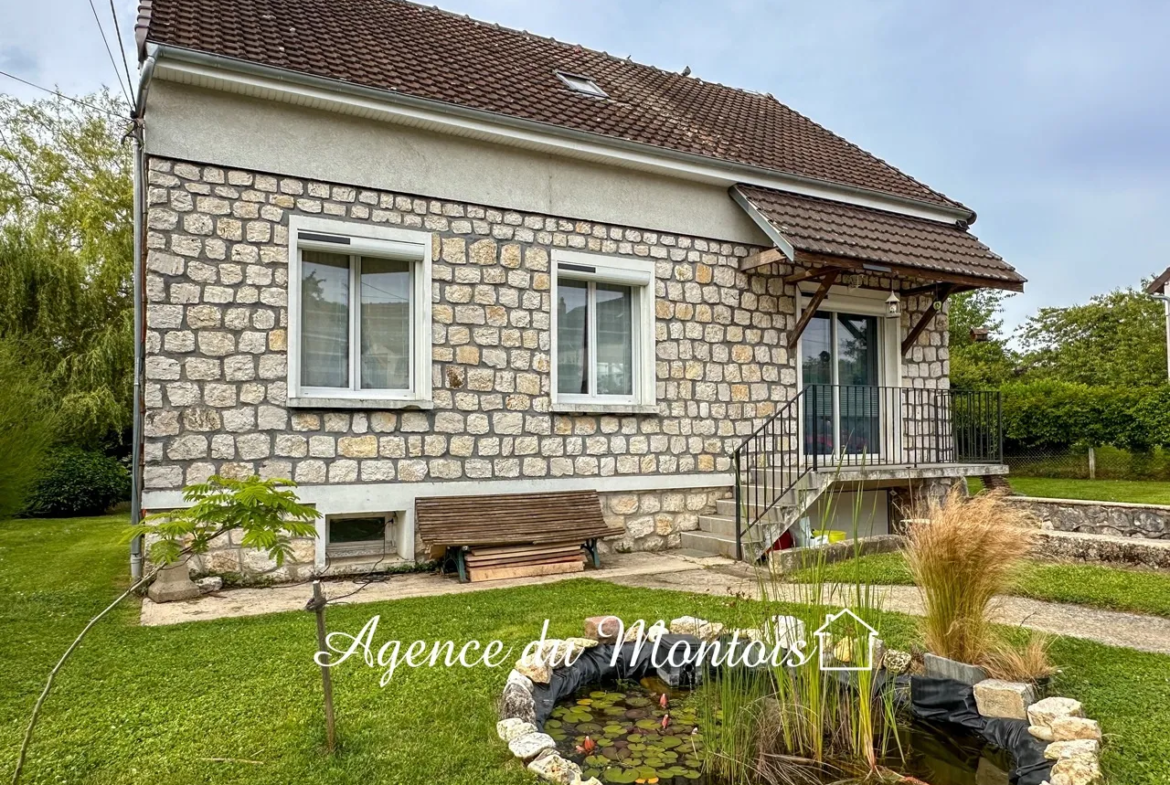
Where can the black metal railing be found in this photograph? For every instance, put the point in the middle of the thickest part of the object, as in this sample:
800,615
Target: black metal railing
857,426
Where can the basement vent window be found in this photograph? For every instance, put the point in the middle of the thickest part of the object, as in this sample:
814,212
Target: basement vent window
582,84
371,535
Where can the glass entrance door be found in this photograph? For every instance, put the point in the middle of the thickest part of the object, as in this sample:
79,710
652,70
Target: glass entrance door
841,377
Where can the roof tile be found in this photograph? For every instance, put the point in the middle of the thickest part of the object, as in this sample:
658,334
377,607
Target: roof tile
432,54
836,229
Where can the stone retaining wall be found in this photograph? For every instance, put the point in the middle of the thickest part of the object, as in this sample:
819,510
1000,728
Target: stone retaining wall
1150,521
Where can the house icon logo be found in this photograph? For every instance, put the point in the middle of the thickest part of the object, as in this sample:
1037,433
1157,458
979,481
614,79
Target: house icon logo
845,642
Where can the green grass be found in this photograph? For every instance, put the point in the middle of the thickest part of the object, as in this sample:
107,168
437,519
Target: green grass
1133,491
1082,584
140,704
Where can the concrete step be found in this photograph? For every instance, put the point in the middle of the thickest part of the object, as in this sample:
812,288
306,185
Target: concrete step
710,543
723,525
754,501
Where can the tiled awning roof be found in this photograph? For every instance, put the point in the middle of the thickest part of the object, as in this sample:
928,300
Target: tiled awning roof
931,250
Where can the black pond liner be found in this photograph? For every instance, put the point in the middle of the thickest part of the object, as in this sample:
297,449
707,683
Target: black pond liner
936,701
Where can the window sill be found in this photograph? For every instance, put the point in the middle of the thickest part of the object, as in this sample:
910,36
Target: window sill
318,402
575,407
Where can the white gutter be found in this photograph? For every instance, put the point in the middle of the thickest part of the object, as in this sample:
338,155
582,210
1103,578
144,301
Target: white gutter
248,78
137,134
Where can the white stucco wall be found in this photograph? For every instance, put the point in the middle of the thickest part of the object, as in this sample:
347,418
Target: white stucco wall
861,515
195,124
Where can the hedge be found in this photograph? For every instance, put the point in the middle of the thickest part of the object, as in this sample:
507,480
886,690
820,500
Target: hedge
1052,414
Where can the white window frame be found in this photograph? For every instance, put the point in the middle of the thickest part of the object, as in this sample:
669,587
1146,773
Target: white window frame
355,240
638,274
582,84
861,303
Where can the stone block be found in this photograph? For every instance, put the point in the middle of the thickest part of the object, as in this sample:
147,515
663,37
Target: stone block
1071,728
513,728
551,767
603,628
943,668
1077,770
1046,711
530,745
1060,750
1004,699
173,583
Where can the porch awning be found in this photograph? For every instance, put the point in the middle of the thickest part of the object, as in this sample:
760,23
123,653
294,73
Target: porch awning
817,232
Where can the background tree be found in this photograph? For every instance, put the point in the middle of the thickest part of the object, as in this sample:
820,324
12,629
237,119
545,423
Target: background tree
66,242
1116,339
27,427
977,365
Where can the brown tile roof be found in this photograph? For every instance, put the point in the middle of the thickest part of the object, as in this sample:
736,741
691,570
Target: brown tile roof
818,226
431,54
1158,284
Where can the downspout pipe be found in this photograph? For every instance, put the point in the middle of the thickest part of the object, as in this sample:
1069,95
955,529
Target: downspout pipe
139,280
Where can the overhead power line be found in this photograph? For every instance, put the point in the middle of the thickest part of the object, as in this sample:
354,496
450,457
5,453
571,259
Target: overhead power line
110,52
122,49
59,94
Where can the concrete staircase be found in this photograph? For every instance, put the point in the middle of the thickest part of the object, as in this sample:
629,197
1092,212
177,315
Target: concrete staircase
716,534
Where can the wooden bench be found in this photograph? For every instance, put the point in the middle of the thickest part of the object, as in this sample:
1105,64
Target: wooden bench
513,535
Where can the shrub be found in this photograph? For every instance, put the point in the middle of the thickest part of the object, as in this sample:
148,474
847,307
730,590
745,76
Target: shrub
962,553
78,482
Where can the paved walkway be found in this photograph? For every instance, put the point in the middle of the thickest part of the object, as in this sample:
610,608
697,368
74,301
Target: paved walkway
275,599
677,571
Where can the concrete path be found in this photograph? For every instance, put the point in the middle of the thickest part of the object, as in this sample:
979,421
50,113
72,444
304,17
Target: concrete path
676,571
1131,630
255,602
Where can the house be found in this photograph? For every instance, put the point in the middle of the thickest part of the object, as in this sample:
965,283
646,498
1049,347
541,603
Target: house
394,253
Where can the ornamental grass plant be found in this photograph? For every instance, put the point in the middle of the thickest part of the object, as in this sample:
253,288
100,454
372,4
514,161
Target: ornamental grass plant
963,553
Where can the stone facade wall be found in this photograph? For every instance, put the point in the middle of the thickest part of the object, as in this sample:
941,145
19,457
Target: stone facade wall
655,520
216,363
1150,521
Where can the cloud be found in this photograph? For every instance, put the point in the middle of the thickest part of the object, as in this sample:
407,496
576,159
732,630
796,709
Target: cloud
19,61
1048,118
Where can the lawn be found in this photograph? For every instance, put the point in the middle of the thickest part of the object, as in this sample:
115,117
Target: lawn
238,700
1082,584
1134,491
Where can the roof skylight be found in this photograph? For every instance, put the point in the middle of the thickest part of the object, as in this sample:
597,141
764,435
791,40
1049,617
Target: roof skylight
582,84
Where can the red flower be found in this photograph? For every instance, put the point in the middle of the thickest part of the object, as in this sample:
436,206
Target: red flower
662,701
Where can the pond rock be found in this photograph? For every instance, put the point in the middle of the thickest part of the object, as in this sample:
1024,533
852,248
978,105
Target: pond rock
517,703
513,728
604,629
1045,711
785,631
1042,732
535,667
942,668
1004,699
1071,749
1071,728
700,628
530,745
552,767
520,680
1077,770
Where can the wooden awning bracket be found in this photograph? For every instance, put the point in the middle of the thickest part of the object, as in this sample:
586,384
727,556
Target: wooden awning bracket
942,293
806,316
808,275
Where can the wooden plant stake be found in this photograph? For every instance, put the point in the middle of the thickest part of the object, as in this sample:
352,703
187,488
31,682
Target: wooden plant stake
317,606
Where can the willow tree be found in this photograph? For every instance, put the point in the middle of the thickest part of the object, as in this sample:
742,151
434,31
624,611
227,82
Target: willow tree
66,242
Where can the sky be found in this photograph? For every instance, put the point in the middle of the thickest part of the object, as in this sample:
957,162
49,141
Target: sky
1050,119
